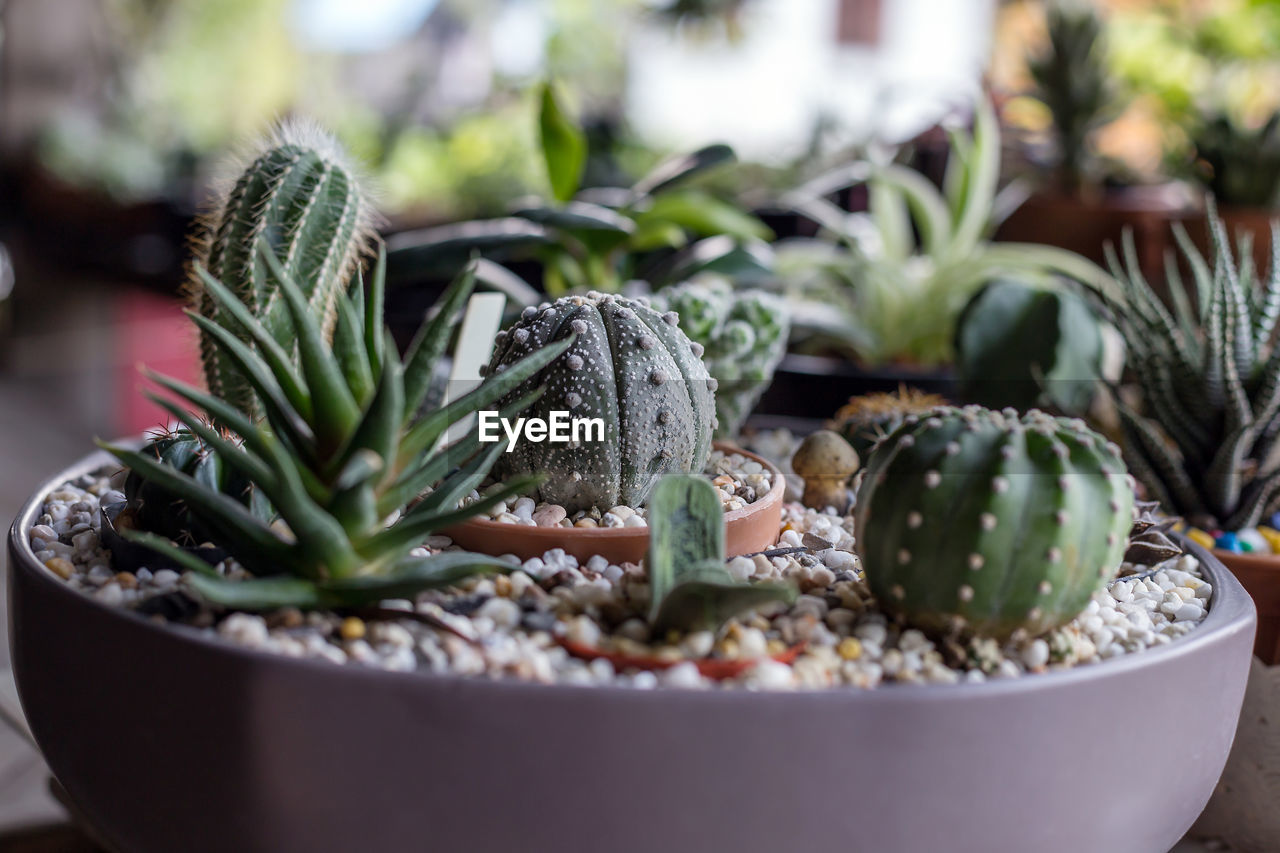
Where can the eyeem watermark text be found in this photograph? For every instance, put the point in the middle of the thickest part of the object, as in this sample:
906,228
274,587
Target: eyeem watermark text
559,428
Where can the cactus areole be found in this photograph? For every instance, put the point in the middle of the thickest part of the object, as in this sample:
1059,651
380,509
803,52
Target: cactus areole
972,521
632,368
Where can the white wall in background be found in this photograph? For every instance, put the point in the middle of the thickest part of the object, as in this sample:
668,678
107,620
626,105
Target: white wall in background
764,94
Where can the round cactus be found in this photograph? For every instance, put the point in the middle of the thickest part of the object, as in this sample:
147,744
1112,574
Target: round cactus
632,368
155,509
982,522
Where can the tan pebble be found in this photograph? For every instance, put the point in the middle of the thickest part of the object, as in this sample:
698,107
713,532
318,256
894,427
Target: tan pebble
776,646
126,580
586,522
286,617
502,586
623,512
352,628
850,648
723,480
549,516
61,567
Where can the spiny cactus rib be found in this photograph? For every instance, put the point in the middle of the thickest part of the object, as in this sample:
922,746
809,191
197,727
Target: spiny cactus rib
300,195
974,521
632,368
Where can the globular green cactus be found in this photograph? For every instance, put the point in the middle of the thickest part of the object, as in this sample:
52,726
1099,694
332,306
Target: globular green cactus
743,334
976,521
300,195
867,418
152,507
631,367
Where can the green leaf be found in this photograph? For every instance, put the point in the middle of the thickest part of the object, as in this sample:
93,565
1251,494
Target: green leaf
411,576
579,216
564,146
686,528
695,605
431,340
443,249
179,555
704,215
335,409
256,593
678,169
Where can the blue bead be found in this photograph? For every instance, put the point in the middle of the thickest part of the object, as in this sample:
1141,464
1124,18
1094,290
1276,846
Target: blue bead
1228,542
1274,523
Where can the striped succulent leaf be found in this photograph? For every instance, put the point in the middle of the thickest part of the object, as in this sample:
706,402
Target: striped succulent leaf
341,451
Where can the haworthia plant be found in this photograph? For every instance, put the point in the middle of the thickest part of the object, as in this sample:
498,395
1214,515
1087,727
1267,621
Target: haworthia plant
299,194
982,522
630,367
690,588
343,454
1206,438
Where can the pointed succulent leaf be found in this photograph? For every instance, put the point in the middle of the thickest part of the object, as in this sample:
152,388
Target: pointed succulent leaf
680,168
410,577
564,146
256,594
686,528
706,597
432,338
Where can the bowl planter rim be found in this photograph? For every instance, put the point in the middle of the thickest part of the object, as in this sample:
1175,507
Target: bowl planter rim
620,544
1231,610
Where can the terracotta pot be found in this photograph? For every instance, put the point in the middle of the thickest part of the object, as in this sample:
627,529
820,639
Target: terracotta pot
1260,575
170,740
1085,225
748,530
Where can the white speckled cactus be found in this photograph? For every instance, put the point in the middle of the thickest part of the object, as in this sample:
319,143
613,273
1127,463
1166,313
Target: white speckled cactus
975,521
629,366
744,336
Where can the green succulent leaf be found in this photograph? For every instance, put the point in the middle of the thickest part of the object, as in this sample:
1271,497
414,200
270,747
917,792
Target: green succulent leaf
564,146
681,168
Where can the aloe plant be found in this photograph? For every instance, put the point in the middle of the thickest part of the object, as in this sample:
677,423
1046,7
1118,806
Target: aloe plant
1205,438
689,586
660,229
895,299
343,453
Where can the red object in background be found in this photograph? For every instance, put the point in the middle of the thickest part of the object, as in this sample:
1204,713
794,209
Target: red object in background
858,22
149,330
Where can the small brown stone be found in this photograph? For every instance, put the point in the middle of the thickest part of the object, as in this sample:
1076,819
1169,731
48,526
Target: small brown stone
586,522
61,567
127,580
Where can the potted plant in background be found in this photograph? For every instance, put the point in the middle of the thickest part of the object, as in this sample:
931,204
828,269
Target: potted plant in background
662,229
867,290
1081,206
1201,430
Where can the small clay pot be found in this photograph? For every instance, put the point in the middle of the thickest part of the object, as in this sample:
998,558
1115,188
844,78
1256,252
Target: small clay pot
748,530
1259,574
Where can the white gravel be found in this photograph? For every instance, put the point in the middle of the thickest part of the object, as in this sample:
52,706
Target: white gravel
511,626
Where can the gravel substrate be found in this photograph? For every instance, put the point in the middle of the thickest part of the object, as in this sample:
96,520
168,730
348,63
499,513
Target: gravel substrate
738,480
518,625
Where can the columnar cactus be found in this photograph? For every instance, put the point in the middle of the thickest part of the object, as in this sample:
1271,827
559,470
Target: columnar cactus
632,368
975,521
299,193
744,336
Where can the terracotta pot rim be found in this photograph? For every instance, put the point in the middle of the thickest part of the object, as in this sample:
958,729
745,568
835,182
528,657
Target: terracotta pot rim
1262,562
1231,611
556,534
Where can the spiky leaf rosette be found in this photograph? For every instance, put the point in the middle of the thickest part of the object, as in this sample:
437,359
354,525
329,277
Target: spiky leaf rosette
1204,438
690,588
632,368
298,193
975,521
342,454
154,508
